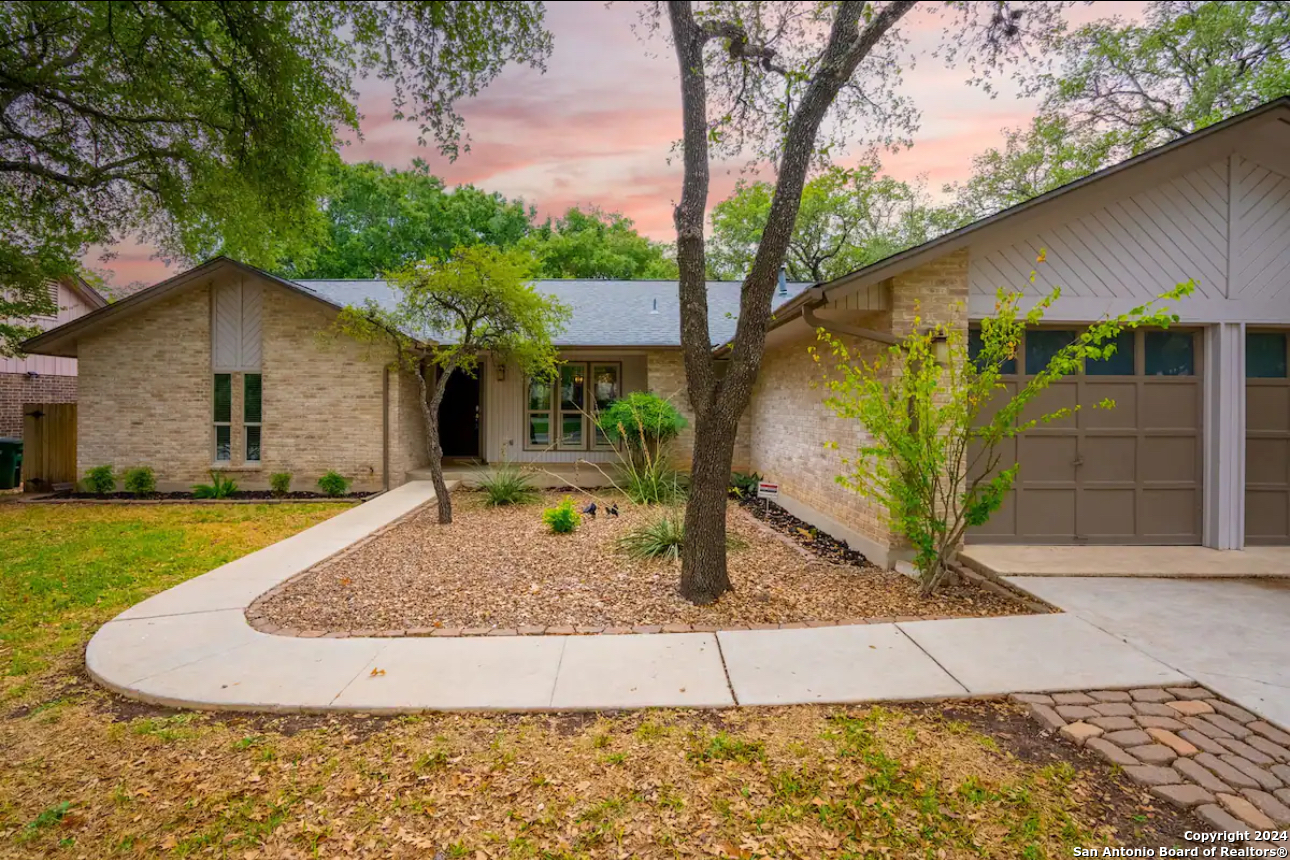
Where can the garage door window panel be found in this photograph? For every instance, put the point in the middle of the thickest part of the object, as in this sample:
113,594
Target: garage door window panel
1170,353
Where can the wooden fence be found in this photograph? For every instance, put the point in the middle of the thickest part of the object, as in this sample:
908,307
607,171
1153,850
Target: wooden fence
48,445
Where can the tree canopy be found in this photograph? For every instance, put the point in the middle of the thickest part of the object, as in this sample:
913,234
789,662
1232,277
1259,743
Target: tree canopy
592,243
849,218
1120,89
207,126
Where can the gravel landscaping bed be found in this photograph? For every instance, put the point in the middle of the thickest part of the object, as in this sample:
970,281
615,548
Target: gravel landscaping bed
500,570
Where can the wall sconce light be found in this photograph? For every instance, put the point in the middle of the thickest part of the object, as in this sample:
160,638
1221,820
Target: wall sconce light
941,350
501,371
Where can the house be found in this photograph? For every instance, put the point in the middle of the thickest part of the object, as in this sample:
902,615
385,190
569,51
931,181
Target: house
223,366
42,378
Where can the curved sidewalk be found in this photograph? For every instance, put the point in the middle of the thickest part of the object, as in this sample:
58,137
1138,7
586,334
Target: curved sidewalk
192,647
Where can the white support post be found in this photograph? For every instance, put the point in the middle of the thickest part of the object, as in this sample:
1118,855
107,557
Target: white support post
1224,391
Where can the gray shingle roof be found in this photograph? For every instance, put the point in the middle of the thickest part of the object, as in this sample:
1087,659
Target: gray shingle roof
605,313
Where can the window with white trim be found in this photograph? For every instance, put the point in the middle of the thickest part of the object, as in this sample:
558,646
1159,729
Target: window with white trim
252,389
559,415
223,417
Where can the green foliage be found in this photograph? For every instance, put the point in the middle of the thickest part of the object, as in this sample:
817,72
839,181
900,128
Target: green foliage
725,747
662,537
381,219
280,483
651,479
744,484
596,244
208,127
334,484
220,487
508,484
101,480
562,518
140,480
849,218
641,420
934,459
1122,88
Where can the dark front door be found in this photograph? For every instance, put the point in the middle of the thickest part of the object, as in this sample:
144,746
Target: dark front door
459,416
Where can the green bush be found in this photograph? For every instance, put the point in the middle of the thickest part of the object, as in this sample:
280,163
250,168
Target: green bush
744,484
220,487
334,484
663,538
563,518
101,480
280,483
140,480
642,419
652,480
507,484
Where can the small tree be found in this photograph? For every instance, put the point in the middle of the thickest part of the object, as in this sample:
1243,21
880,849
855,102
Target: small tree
934,427
477,301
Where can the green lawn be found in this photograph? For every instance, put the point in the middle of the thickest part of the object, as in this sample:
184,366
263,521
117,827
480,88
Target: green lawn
66,569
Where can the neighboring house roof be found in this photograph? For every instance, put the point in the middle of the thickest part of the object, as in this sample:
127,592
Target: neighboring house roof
88,294
604,313
918,255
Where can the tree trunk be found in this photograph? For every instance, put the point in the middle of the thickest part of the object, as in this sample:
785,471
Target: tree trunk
704,577
430,413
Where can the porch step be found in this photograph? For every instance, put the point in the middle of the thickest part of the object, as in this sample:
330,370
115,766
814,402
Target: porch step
1126,561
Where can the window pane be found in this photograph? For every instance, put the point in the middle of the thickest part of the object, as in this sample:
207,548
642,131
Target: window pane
1169,353
223,397
539,394
573,383
251,398
1265,355
1119,363
974,351
571,430
253,443
605,384
540,429
1042,345
223,443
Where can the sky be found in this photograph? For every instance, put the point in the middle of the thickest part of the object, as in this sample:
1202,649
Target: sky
598,127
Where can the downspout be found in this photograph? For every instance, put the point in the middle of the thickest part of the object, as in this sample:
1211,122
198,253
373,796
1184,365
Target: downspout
385,430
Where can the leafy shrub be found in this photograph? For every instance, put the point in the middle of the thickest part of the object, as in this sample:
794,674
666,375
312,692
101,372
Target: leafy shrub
220,487
663,538
280,483
101,480
140,480
641,420
507,485
562,518
744,484
652,480
334,484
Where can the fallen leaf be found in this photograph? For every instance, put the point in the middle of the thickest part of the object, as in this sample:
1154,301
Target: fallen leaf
376,672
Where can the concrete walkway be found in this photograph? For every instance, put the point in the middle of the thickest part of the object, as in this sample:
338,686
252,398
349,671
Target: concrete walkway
1232,636
1138,561
192,647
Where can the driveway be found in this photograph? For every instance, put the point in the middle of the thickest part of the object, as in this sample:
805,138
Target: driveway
1231,635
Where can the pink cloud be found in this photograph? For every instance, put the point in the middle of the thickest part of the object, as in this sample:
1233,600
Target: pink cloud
598,127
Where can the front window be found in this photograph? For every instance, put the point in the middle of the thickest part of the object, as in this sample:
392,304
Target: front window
223,417
251,411
560,415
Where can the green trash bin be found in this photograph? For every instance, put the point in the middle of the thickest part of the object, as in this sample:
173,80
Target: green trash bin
10,461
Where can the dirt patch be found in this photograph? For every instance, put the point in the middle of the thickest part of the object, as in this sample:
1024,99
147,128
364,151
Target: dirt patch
502,568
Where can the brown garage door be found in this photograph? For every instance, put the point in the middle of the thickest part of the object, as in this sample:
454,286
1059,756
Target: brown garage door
1267,439
1127,475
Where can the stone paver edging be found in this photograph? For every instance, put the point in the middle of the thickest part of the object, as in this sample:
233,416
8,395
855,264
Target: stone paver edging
192,646
1186,746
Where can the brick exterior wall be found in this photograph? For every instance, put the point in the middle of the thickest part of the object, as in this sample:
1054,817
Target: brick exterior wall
665,372
146,389
790,424
19,388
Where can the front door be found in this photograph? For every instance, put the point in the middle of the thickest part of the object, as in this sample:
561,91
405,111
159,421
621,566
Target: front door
459,416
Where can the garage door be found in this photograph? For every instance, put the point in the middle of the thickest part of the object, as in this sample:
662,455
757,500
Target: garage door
1267,439
1127,475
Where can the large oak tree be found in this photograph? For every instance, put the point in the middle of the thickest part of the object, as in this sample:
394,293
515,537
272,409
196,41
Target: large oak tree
790,81
206,125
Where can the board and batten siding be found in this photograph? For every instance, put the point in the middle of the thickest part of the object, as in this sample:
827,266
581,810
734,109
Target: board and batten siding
1225,225
70,307
504,412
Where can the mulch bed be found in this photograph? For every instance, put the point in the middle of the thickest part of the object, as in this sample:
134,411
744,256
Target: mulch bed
501,569
817,542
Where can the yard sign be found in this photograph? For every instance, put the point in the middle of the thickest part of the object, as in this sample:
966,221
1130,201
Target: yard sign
767,490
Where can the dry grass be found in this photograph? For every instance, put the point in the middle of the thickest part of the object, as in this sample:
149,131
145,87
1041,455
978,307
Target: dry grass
500,567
